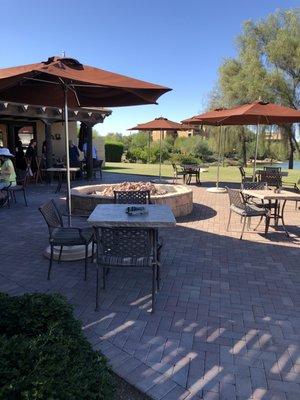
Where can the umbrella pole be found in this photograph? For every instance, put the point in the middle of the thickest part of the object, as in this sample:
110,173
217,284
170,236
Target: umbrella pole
219,157
256,150
67,156
217,188
149,142
160,135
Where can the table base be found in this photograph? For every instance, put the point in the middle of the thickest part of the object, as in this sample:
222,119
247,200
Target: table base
216,190
69,253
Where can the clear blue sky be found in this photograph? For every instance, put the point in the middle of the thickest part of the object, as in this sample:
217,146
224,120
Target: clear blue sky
176,43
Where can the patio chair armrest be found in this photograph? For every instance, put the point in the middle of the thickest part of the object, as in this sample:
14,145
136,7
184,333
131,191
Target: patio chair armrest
82,236
292,186
74,215
7,187
70,228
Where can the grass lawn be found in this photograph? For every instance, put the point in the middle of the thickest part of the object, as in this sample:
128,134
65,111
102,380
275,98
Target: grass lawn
227,174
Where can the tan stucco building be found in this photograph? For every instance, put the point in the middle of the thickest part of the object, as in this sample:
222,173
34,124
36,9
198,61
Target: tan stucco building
20,122
194,131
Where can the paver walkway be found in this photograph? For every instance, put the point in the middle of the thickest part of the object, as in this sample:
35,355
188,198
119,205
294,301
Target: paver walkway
227,319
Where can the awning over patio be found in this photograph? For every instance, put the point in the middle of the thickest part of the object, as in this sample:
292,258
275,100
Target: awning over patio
51,114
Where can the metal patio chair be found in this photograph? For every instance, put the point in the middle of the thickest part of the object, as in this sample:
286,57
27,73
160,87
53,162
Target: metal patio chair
272,178
132,197
245,210
137,197
178,171
97,168
270,205
4,198
22,182
244,176
126,248
64,236
292,187
272,169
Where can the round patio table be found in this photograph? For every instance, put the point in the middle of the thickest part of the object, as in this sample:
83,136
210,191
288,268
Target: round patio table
189,170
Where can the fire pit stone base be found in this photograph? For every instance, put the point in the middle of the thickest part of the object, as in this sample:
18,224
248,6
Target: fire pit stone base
178,197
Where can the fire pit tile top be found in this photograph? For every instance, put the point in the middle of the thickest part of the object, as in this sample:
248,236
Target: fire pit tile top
178,197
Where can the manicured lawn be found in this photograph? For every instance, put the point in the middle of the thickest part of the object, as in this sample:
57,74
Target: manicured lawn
227,174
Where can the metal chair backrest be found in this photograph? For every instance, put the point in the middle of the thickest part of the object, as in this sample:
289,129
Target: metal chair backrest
175,167
23,179
235,198
97,165
272,178
124,242
272,169
52,217
132,197
242,171
254,185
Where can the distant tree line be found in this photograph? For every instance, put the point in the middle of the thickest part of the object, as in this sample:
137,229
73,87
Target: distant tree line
267,67
139,147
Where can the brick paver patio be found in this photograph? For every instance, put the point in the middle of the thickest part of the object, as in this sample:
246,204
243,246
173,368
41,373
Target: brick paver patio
227,319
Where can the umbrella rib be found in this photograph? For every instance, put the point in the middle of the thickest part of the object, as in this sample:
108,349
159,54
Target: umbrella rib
40,80
125,89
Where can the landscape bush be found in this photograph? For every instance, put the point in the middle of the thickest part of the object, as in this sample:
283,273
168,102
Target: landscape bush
114,151
44,354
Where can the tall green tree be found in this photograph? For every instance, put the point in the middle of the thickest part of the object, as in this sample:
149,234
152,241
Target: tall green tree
267,67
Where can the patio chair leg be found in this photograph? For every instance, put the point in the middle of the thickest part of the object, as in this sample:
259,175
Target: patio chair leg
93,250
244,224
60,251
51,261
230,212
248,223
158,277
85,261
104,277
97,288
259,222
25,199
153,288
267,224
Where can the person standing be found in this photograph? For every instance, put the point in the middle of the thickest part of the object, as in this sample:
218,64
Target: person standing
94,154
31,155
20,157
74,155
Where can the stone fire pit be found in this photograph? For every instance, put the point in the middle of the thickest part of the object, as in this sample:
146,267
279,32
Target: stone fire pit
178,197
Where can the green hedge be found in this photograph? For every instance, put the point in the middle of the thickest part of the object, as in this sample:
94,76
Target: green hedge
44,354
114,152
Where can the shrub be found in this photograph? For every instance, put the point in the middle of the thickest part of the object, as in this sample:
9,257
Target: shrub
155,151
185,159
44,355
114,151
137,154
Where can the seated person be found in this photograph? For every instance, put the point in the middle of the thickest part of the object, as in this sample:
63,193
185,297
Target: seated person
74,155
75,158
94,154
8,175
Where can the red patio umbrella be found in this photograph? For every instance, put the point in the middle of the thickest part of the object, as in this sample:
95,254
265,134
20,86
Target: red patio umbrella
160,124
65,82
256,113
